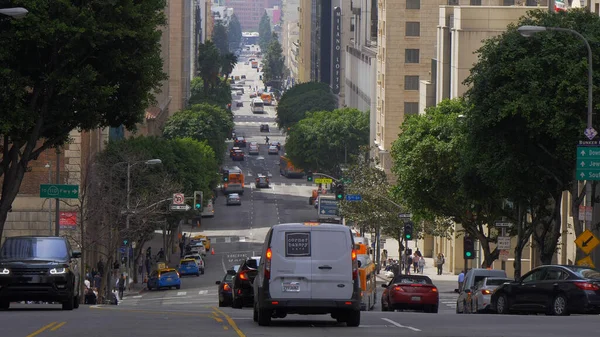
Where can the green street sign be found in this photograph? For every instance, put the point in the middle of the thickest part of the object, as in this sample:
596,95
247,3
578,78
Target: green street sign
588,163
60,191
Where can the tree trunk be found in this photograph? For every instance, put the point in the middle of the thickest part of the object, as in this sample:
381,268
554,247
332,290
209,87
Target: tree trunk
549,242
577,200
489,256
14,172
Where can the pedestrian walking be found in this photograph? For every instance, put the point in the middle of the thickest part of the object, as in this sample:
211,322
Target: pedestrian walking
121,286
461,280
415,262
421,265
440,263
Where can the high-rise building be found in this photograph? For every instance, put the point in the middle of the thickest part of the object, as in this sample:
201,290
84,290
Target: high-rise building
290,37
252,11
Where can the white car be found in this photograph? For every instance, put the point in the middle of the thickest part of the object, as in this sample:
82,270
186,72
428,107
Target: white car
273,149
253,149
199,261
198,248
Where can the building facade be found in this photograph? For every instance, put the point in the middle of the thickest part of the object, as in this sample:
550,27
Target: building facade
181,32
253,11
290,37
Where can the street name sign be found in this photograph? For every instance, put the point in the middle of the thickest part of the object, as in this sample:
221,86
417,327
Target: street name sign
588,163
353,197
60,191
503,224
405,215
504,242
323,180
587,241
180,207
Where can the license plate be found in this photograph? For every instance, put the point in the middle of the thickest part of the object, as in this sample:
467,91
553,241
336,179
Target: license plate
169,279
415,298
291,287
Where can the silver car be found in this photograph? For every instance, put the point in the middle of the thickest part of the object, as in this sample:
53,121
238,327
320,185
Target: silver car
234,199
482,293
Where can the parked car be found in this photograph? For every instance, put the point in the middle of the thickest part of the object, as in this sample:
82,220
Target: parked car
164,278
310,269
39,268
234,199
188,266
264,128
239,104
198,259
415,292
224,292
481,294
558,290
243,294
472,277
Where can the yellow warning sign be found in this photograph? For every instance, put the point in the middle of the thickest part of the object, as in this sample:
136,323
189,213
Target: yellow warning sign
587,262
587,241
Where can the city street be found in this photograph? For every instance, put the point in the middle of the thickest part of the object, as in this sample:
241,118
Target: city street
238,232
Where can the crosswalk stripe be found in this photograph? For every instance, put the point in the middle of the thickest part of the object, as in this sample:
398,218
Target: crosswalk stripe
203,292
181,293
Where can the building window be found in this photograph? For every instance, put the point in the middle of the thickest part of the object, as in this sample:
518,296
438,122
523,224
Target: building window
452,2
411,56
413,4
411,82
509,2
413,28
475,2
411,108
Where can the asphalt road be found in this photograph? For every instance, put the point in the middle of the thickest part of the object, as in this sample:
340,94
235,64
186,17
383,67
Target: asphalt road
238,232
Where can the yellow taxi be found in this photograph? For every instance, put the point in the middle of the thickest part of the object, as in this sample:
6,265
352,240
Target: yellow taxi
164,278
202,238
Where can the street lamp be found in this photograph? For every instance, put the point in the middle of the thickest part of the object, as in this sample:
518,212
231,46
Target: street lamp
15,12
127,217
528,31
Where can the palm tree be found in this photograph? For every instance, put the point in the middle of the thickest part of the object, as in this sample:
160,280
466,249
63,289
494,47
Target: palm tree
228,62
209,65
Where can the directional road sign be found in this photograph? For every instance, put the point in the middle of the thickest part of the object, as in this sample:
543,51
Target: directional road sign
178,199
59,191
353,197
587,241
588,163
323,181
405,215
587,262
180,207
503,224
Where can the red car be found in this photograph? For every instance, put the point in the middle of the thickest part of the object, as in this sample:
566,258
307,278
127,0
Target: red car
415,292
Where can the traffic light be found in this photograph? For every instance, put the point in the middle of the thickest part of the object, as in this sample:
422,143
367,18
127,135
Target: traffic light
125,242
198,200
339,191
309,176
226,176
408,230
469,248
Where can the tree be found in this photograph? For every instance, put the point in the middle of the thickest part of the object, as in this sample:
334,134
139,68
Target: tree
301,99
433,180
214,69
526,144
62,73
209,65
265,34
228,62
274,64
220,38
234,33
202,122
324,140
220,95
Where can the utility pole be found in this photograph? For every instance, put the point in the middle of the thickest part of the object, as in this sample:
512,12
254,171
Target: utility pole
127,219
49,167
57,200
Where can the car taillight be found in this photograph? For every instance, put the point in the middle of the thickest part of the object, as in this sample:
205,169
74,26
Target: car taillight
257,180
354,265
434,290
485,291
226,287
268,255
243,276
587,286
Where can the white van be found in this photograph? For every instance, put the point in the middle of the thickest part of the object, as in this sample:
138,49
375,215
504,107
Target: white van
308,269
209,210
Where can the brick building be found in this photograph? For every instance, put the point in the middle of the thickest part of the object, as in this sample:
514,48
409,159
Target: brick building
249,12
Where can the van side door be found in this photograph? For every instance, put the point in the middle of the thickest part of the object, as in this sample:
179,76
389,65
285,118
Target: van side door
331,263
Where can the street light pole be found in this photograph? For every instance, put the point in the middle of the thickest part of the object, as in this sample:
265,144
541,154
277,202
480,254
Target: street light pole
528,31
14,12
127,219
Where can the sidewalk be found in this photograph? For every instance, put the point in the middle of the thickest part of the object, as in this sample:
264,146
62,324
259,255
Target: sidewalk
429,270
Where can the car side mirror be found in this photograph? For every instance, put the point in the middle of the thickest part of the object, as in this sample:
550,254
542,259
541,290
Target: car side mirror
384,285
76,254
218,282
252,264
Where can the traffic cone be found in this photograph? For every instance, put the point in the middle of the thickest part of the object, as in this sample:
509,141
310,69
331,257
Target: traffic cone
212,251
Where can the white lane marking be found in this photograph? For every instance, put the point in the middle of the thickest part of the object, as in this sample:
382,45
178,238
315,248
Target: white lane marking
203,292
242,239
400,325
181,293
228,239
138,296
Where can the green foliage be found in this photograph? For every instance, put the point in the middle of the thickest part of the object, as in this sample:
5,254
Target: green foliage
202,122
265,33
214,69
234,33
321,141
219,95
220,38
301,99
73,65
273,64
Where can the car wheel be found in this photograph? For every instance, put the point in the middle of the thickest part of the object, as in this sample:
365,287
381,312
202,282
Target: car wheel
264,317
198,274
384,307
236,303
76,302
434,309
221,304
502,304
559,306
353,318
255,313
68,303
4,305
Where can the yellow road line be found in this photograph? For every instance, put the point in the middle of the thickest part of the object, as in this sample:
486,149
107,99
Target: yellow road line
155,312
58,326
231,322
42,329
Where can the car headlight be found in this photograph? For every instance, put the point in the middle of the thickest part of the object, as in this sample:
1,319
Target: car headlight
58,271
4,271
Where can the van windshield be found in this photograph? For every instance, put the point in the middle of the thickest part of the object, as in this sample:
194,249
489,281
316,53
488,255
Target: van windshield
20,248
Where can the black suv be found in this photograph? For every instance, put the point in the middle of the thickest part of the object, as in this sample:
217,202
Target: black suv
39,268
242,290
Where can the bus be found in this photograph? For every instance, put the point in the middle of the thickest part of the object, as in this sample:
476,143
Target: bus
267,98
254,64
287,169
257,106
235,180
368,282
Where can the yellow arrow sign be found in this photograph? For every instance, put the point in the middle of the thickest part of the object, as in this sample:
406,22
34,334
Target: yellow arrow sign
323,181
587,241
587,262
